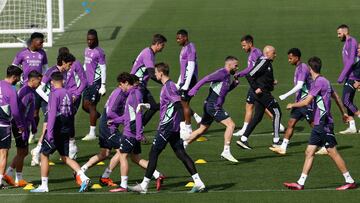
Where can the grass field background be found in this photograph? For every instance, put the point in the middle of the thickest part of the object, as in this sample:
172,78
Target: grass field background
216,28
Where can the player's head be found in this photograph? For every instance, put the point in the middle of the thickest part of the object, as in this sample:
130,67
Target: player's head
57,79
63,50
294,55
182,37
92,39
231,63
135,79
269,52
158,43
125,81
65,60
13,74
247,42
315,64
36,41
34,79
342,32
161,70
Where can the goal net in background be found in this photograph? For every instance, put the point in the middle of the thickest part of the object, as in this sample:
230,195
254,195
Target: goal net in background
20,18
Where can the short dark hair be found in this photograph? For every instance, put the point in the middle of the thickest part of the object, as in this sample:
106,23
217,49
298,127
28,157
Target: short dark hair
231,58
34,74
248,39
125,77
57,76
295,52
342,26
182,32
93,32
158,39
135,78
63,50
13,71
36,35
163,67
66,57
315,64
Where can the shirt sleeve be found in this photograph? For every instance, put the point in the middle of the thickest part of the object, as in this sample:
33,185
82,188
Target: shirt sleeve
45,60
14,107
83,81
138,117
148,61
349,59
255,72
102,60
18,59
302,74
247,70
53,103
213,77
315,89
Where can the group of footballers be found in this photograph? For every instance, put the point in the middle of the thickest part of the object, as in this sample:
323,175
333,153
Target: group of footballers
60,90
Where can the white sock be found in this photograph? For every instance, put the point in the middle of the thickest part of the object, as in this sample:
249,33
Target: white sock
182,124
44,182
348,178
227,148
18,177
145,183
276,139
282,128
1,177
188,127
82,175
244,126
302,179
243,138
106,173
284,143
185,143
124,182
10,171
84,168
156,174
92,130
72,141
197,180
198,118
352,124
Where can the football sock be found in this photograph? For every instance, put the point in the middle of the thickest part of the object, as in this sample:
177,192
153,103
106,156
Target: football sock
243,138
44,182
156,174
144,184
352,124
106,173
197,179
302,179
348,178
92,130
18,177
124,182
82,175
9,171
284,143
84,168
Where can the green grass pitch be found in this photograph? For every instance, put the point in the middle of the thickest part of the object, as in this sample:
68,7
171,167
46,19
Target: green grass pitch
216,28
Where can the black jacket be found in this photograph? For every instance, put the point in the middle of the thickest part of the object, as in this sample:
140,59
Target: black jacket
261,76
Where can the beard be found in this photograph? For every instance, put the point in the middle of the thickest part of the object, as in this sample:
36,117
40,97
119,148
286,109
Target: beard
232,72
14,83
343,38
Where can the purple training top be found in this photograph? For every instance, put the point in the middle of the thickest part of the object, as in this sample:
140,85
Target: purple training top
30,60
145,60
220,85
349,54
76,79
302,73
60,104
93,59
321,90
188,53
255,53
9,103
114,108
133,126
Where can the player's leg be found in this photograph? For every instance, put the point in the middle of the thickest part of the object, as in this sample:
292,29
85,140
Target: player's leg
230,126
154,106
90,100
5,144
35,153
46,149
275,110
347,99
18,164
270,115
196,134
249,108
288,134
3,160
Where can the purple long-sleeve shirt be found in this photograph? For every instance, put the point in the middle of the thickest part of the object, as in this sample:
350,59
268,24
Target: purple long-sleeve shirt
145,60
349,54
170,116
76,79
302,73
321,90
114,108
220,85
93,59
9,103
255,53
30,60
60,104
47,79
188,53
133,126
27,105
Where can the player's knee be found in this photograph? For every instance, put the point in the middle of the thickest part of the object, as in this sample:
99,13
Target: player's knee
291,124
231,125
309,153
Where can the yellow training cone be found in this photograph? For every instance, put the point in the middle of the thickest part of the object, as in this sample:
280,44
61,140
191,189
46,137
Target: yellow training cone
96,186
29,187
200,161
100,163
202,139
51,163
190,184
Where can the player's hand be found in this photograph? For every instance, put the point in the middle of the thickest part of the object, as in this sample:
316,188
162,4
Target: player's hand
282,97
73,99
258,91
345,118
289,106
102,90
142,107
21,130
109,122
275,82
177,86
356,85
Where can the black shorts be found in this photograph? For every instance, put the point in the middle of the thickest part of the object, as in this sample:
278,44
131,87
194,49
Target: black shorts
164,137
250,98
212,113
44,109
5,137
19,137
184,93
302,113
108,140
91,93
38,101
323,135
348,97
130,145
77,104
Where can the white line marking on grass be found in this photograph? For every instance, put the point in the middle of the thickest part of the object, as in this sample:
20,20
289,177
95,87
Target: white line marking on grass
69,25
